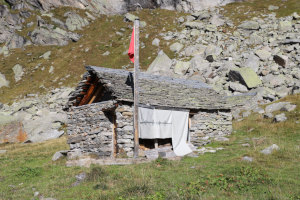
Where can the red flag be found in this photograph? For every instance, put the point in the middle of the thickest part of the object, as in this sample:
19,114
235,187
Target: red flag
131,47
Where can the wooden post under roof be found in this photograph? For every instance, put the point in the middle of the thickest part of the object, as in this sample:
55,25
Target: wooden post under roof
136,87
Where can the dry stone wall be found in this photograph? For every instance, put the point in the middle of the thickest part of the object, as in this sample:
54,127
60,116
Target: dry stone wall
209,125
124,131
90,129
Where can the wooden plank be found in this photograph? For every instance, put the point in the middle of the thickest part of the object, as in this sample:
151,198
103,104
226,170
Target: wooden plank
87,96
136,87
98,91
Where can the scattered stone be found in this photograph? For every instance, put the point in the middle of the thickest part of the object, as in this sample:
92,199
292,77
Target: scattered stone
271,7
281,60
245,76
3,81
268,115
130,17
288,107
176,47
46,55
106,53
249,25
51,69
285,26
59,155
194,25
263,54
275,107
280,118
296,16
18,71
161,65
155,42
237,87
247,159
270,149
181,67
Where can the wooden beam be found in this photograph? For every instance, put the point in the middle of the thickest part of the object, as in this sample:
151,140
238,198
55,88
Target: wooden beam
136,86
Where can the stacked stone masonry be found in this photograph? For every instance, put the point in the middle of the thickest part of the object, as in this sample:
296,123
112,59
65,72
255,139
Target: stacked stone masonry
90,129
207,125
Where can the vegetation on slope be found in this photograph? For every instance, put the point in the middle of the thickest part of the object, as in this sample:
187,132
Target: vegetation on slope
26,168
69,61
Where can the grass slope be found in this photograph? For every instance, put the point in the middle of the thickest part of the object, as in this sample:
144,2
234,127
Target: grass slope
26,168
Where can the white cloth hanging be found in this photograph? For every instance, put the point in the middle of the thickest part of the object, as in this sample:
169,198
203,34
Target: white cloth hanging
161,124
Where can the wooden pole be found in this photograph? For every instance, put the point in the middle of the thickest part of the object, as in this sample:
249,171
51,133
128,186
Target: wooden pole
136,87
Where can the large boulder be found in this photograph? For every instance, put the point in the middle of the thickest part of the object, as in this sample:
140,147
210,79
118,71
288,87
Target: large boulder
245,76
161,65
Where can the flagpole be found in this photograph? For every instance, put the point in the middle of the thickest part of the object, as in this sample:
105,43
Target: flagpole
136,87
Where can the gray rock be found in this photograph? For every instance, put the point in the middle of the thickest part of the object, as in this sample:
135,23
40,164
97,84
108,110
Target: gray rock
74,154
255,39
181,67
285,26
270,149
296,16
280,118
18,71
4,50
263,54
195,25
271,7
75,21
247,159
43,136
252,61
288,107
176,47
249,25
245,76
3,81
59,155
46,55
237,87
16,41
130,17
217,20
282,91
161,65
155,42
276,106
268,115
281,60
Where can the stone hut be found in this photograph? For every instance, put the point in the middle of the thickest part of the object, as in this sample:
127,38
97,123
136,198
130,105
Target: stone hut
100,111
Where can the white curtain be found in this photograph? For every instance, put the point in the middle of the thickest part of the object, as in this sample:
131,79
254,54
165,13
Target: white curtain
154,123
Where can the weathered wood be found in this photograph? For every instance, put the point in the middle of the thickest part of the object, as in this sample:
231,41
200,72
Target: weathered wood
98,91
86,97
115,148
136,86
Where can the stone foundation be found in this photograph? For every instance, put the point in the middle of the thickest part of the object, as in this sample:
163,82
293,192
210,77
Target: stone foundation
207,125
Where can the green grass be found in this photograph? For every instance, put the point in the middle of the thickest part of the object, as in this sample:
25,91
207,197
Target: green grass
26,168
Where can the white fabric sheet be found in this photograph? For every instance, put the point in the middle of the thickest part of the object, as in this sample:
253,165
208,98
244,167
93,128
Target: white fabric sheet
154,123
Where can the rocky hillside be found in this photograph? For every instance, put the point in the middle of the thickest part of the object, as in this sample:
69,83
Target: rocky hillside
245,48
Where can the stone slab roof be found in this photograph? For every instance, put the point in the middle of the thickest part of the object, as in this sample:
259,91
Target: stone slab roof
158,90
